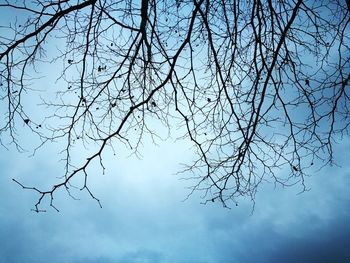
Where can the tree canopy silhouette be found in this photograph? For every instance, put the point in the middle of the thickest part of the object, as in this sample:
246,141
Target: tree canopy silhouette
255,85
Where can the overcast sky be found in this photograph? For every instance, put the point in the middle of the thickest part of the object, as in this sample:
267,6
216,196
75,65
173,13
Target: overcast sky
143,218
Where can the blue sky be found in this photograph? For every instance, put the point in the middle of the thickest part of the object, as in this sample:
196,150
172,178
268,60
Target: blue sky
144,219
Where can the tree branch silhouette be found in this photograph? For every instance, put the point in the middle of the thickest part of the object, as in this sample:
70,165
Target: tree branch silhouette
256,86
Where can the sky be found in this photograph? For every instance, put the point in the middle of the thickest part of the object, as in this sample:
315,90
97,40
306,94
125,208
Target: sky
145,218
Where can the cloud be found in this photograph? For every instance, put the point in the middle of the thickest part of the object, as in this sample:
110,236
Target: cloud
144,220
329,246
142,256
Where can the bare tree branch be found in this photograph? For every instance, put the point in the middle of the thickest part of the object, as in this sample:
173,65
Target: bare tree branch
260,88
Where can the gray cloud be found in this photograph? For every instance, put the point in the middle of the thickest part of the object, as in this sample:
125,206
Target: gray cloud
144,220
